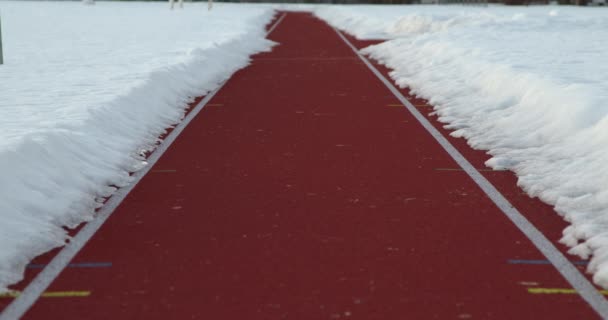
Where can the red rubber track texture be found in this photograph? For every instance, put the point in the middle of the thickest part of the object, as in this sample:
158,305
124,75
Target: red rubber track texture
298,193
542,215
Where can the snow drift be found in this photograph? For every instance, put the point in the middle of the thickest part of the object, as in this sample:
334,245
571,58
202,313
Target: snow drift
530,85
86,90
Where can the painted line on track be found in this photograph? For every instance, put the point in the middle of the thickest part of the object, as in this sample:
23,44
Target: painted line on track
581,284
462,170
49,294
18,307
543,262
74,265
276,24
415,105
540,291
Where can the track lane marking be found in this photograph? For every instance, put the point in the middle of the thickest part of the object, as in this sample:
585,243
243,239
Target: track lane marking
423,105
74,265
462,170
49,294
164,171
543,262
539,291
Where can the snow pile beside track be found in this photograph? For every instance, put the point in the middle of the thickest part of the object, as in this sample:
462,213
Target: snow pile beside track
530,85
86,90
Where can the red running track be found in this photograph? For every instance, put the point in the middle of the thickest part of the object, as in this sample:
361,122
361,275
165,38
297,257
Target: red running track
299,192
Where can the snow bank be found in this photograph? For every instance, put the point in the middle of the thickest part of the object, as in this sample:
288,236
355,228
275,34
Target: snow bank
85,90
530,85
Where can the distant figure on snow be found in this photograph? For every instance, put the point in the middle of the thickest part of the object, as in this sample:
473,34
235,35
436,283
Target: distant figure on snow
172,3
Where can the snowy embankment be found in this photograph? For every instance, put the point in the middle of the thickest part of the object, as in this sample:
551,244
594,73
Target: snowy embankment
85,90
530,85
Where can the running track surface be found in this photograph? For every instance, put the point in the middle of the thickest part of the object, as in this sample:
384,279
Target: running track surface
301,192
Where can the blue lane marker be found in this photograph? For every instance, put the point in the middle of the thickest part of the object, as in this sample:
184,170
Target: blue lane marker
578,263
75,265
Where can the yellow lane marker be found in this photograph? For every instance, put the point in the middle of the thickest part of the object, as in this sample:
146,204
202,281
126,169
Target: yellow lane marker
66,294
50,294
164,171
558,291
215,104
395,105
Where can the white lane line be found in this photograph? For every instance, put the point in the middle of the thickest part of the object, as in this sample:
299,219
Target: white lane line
18,307
276,24
587,290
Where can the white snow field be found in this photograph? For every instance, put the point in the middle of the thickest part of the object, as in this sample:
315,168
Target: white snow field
528,84
85,90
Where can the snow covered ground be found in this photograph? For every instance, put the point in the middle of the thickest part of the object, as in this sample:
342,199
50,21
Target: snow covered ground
85,89
528,84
